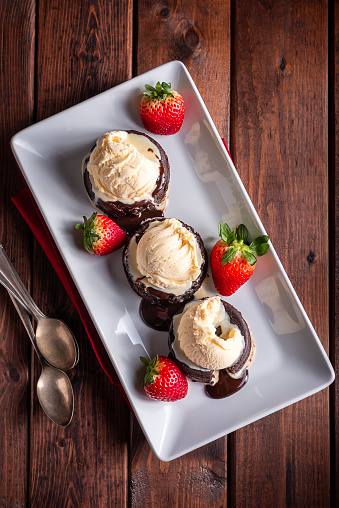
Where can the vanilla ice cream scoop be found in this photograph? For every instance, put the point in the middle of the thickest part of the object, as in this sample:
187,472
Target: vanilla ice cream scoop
121,172
207,337
165,261
168,255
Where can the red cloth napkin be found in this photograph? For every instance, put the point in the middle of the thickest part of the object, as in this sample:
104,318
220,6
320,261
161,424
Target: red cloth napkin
28,209
223,140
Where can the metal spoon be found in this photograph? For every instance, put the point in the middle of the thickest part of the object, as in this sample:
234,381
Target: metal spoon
54,389
54,339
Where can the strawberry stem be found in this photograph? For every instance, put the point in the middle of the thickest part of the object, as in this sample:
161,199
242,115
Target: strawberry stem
151,370
160,92
238,241
90,234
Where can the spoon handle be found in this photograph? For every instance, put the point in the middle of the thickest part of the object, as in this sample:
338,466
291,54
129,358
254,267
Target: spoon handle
26,322
12,291
13,280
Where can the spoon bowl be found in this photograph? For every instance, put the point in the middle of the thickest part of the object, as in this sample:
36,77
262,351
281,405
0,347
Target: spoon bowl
55,394
55,343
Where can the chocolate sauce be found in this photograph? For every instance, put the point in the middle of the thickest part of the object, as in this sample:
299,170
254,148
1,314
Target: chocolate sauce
159,317
218,331
226,385
130,222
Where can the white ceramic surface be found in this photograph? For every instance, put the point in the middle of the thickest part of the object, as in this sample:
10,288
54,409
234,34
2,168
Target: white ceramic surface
205,188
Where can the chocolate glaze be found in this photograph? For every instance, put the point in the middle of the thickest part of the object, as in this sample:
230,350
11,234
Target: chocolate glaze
159,317
156,296
206,376
237,319
130,216
226,385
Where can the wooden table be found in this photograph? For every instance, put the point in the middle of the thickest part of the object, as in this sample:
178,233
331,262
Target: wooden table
268,72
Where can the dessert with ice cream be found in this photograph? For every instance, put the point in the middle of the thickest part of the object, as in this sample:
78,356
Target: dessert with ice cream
165,261
126,175
210,337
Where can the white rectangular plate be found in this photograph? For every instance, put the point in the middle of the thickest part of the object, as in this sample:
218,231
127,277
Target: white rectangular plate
205,188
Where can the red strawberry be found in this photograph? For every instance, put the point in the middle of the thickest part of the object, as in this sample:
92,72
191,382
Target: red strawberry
162,109
164,380
101,235
233,258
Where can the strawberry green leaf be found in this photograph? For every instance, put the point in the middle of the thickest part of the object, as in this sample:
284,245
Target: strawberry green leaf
261,249
259,240
89,248
148,380
160,92
224,231
150,370
150,88
231,237
90,235
259,246
154,361
228,256
242,233
250,258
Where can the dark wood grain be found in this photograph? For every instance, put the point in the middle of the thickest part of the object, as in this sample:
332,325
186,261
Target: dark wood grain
17,54
198,478
85,464
84,48
186,32
334,238
279,142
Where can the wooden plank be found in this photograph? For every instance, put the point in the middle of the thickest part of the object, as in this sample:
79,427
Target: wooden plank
187,32
85,464
178,31
90,51
198,478
333,23
279,143
17,55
